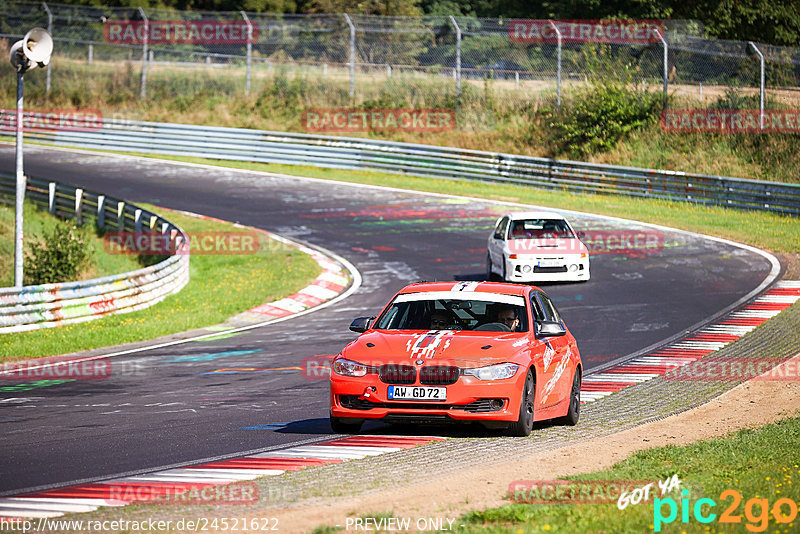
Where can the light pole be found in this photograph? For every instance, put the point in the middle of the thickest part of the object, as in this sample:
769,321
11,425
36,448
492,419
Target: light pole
32,51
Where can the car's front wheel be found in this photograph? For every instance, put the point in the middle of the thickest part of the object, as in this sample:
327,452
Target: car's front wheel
524,423
489,272
345,426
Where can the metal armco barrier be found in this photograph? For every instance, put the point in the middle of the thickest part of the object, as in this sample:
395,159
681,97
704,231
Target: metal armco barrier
48,305
427,161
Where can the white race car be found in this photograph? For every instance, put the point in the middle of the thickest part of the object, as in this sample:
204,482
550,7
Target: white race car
536,246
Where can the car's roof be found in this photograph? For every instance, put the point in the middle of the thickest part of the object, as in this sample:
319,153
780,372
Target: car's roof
467,287
516,215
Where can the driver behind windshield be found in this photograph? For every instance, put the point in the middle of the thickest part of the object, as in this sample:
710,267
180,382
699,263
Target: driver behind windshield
508,316
439,320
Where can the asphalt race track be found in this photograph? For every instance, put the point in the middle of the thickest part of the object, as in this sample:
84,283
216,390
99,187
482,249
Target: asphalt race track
171,405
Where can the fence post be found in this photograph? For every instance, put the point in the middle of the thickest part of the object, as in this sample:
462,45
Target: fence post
666,72
51,198
90,54
249,50
761,85
50,31
79,206
458,55
101,211
352,53
121,216
558,78
143,93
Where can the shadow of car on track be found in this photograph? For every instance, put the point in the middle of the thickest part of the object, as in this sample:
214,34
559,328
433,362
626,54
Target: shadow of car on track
449,430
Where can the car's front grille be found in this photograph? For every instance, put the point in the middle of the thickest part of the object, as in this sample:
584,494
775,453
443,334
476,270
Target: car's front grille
353,402
397,374
438,375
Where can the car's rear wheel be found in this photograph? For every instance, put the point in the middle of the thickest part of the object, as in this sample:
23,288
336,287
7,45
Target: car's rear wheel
524,423
345,426
574,412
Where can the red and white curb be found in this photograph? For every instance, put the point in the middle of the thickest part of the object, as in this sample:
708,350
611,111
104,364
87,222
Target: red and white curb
123,491
328,285
701,343
331,283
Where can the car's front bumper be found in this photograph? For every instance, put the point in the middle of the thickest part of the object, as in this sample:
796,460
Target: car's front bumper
469,399
562,269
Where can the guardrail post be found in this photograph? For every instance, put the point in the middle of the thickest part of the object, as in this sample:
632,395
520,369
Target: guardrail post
137,220
761,85
143,93
458,55
50,31
558,75
51,199
352,54
101,211
79,206
121,215
249,51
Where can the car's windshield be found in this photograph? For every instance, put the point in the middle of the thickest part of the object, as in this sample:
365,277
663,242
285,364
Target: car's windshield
451,310
540,229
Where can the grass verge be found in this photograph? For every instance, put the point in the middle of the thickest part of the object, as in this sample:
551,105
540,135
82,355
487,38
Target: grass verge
39,223
220,286
492,113
706,469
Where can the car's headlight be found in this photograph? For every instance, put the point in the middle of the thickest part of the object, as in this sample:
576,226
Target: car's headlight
347,367
493,372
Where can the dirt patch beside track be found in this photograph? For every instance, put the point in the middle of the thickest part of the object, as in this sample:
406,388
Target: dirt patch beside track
748,405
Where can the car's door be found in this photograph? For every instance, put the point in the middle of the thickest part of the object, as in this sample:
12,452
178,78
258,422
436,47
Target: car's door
544,350
559,377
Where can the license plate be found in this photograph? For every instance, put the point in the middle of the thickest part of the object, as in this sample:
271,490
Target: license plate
417,393
549,263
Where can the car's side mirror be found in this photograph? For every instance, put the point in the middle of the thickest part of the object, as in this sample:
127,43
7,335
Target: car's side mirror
361,324
551,329
581,235
498,235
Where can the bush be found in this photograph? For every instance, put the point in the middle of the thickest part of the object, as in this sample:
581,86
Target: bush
595,119
58,257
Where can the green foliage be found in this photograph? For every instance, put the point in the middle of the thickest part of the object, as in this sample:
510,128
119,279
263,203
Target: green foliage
58,257
598,117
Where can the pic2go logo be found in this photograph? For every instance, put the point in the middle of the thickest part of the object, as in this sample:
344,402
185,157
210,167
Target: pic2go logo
756,511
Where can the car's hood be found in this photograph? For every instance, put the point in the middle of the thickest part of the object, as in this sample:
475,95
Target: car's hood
450,347
547,246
